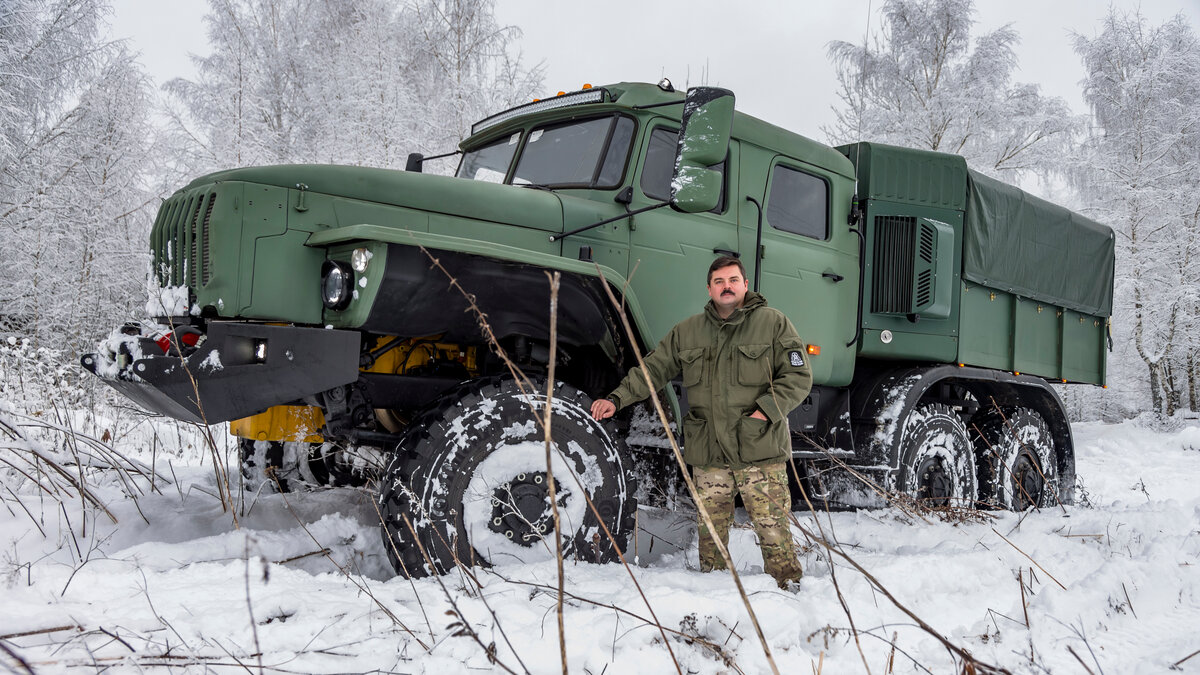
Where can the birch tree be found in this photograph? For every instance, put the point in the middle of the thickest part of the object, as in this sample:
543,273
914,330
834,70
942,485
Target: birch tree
361,83
1140,170
74,211
922,81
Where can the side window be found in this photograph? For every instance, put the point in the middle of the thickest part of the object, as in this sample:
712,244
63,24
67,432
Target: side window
798,203
660,164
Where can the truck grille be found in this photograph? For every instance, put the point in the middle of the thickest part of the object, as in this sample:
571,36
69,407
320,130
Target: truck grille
181,241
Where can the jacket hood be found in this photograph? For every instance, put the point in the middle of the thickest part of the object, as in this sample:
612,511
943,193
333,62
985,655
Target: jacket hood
753,301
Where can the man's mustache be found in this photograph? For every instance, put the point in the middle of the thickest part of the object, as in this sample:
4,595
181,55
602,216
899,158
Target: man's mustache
727,293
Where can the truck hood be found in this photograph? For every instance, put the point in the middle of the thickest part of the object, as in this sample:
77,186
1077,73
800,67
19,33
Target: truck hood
524,207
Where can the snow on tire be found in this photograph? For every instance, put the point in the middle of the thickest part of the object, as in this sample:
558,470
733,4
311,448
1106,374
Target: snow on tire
937,462
1018,467
470,476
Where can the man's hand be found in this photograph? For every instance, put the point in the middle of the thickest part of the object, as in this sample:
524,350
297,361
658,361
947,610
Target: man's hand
757,414
603,408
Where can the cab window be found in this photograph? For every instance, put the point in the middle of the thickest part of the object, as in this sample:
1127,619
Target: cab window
798,203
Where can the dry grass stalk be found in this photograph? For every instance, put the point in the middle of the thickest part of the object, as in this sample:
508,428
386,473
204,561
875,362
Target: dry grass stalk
549,415
832,571
970,663
1030,559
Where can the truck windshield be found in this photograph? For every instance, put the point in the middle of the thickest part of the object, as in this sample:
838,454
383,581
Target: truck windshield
581,153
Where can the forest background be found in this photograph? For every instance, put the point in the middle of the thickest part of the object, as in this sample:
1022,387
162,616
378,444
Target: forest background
89,145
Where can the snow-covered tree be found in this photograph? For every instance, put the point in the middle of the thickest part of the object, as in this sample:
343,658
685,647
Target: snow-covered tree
921,81
1140,170
74,212
358,83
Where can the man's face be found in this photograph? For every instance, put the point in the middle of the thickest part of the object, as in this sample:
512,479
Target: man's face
727,288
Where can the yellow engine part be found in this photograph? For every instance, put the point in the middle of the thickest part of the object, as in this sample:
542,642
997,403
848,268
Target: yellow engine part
282,423
416,352
301,423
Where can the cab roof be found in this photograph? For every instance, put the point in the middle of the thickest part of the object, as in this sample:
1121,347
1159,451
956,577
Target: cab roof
641,95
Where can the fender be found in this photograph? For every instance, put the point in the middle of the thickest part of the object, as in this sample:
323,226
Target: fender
508,284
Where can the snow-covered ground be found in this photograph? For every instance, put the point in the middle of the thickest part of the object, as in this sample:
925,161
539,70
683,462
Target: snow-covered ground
1111,585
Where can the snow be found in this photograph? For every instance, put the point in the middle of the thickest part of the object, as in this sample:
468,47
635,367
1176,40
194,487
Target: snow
177,583
167,300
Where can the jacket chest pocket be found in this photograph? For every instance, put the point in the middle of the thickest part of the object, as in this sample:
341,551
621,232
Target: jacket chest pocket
691,363
753,365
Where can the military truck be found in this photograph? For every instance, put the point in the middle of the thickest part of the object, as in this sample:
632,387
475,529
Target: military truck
339,316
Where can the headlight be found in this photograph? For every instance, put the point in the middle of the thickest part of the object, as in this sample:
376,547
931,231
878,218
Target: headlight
337,284
359,259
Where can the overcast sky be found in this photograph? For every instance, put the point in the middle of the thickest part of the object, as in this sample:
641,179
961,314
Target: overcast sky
771,53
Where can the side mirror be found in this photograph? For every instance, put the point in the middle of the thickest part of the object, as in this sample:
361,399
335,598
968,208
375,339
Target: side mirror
415,159
703,142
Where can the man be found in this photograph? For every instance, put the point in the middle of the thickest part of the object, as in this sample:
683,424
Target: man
745,369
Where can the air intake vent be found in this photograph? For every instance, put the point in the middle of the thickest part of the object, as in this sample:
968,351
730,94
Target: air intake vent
892,277
912,267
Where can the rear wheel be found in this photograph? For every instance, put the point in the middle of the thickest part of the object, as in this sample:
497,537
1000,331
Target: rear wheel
1017,463
470,478
937,464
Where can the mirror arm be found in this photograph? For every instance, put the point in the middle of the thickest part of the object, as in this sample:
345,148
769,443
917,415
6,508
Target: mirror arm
416,159
585,228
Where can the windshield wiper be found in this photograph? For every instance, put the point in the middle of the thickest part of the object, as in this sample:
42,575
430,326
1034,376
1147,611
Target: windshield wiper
536,186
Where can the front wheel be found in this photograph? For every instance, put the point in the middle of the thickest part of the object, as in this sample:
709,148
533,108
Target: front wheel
470,478
937,463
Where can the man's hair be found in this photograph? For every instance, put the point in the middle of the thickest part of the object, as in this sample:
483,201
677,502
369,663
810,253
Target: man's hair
725,261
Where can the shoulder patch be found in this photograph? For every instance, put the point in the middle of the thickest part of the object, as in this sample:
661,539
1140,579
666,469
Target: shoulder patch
796,358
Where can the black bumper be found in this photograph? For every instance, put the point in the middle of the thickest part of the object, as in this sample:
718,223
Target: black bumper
240,370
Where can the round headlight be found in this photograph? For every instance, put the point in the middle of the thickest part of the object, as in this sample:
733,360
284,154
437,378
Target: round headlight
337,284
359,259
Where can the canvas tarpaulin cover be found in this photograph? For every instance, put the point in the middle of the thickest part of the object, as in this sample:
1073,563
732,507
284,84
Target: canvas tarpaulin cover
1018,243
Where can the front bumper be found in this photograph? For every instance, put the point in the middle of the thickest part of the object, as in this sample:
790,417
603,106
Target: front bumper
240,369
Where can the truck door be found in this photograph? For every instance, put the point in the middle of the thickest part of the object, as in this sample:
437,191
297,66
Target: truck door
670,251
809,268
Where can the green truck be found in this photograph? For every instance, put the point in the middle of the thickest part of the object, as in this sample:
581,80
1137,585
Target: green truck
343,317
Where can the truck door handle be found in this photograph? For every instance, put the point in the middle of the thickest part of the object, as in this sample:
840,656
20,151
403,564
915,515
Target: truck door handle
833,275
725,251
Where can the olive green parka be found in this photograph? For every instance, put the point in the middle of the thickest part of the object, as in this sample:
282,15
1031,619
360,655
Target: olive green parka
730,367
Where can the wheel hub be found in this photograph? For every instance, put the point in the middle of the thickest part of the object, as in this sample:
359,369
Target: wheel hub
1027,483
935,485
521,508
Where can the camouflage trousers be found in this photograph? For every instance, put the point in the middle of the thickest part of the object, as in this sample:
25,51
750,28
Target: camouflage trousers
764,491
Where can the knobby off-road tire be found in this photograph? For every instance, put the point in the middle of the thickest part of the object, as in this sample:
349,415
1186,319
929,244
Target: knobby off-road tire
299,466
470,476
1018,467
937,462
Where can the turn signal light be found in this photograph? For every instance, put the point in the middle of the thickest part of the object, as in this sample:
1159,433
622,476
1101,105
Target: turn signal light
814,350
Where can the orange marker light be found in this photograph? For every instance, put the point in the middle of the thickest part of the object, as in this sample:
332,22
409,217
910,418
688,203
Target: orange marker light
962,365
536,100
587,86
561,93
815,350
